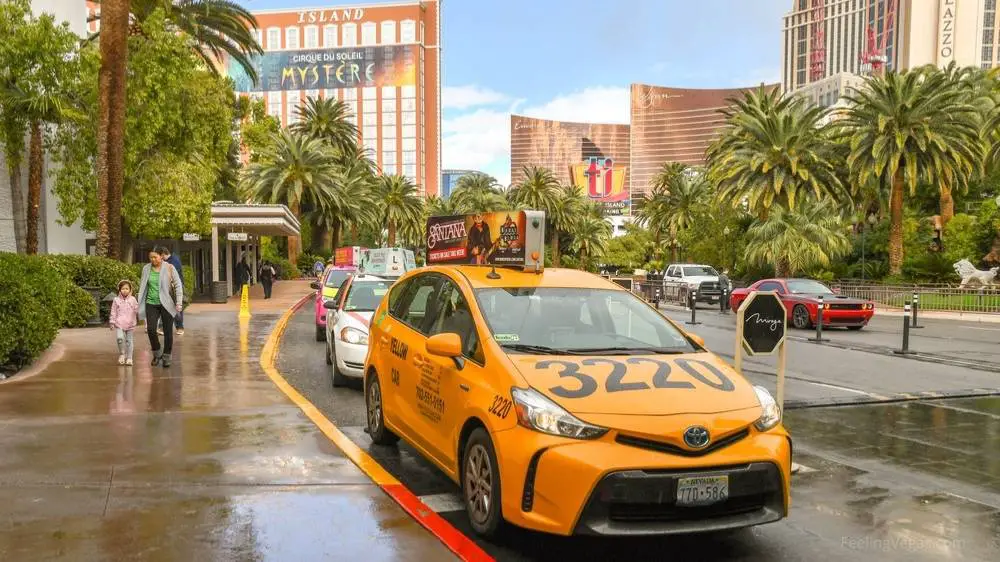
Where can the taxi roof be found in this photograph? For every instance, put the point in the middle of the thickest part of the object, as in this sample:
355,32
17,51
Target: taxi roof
513,277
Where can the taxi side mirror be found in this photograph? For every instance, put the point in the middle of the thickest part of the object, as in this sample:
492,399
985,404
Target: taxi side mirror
315,285
697,339
445,345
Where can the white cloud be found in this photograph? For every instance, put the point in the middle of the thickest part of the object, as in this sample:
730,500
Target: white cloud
480,140
464,97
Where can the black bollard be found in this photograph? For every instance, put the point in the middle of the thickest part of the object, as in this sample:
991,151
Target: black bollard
723,300
916,306
906,332
693,296
819,322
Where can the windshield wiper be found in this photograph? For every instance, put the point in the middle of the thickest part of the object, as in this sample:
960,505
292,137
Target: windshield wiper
539,349
625,351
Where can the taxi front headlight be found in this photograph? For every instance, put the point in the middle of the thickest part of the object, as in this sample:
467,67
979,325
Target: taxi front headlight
353,335
537,412
771,414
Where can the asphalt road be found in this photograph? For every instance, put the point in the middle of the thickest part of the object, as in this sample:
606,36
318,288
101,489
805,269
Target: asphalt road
850,501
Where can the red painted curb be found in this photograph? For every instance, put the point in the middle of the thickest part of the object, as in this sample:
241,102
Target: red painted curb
461,545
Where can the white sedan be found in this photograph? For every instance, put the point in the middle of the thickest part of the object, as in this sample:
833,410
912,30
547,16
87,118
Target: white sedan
347,320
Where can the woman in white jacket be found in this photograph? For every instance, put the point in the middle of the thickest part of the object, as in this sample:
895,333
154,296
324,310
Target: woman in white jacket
160,299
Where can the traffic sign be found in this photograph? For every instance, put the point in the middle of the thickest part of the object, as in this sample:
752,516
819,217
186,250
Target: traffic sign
762,323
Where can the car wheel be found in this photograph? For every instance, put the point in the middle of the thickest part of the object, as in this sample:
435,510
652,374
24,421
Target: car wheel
376,417
481,484
320,333
800,317
338,378
854,328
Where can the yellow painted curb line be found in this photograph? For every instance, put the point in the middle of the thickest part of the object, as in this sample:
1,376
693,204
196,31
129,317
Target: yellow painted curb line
358,456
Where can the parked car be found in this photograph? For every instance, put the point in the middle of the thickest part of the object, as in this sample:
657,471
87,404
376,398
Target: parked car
801,299
347,322
326,291
682,278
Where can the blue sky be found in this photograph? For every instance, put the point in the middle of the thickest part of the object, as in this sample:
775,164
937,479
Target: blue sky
574,60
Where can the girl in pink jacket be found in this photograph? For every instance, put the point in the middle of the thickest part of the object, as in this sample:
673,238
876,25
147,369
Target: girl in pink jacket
124,311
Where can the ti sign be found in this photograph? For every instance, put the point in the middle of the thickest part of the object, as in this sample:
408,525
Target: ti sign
761,320
237,236
604,182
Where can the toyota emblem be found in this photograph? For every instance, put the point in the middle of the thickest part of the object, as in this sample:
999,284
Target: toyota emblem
696,437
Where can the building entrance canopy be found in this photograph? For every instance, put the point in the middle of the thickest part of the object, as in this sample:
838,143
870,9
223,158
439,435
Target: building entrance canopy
251,221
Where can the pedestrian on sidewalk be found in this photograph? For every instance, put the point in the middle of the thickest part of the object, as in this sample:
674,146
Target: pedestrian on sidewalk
123,319
176,262
161,296
267,275
242,273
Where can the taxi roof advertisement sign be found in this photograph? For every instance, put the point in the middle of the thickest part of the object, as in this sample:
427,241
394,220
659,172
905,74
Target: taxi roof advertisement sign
501,238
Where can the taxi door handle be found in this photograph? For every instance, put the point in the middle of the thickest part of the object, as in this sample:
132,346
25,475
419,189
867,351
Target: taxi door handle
463,386
384,339
418,360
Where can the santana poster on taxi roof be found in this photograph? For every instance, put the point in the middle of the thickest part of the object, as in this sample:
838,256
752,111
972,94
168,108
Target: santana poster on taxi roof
487,238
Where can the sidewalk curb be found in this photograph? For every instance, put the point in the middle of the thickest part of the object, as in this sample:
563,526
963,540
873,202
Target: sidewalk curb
890,399
48,357
460,545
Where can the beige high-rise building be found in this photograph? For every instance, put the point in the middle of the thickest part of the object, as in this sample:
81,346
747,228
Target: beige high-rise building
922,32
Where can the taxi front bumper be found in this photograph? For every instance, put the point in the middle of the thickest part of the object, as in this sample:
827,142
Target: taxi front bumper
351,358
605,487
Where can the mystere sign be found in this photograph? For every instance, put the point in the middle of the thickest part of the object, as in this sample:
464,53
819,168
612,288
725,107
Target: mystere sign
318,69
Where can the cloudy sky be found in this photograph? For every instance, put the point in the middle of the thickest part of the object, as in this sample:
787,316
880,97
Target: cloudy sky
574,60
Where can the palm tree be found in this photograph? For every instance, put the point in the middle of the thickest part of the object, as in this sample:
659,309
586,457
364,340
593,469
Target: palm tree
673,201
111,81
568,206
399,205
653,210
477,192
435,206
538,190
590,236
220,28
329,119
812,234
774,149
296,170
903,128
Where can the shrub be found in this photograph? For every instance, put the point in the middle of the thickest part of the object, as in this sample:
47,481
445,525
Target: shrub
33,301
95,272
284,268
79,307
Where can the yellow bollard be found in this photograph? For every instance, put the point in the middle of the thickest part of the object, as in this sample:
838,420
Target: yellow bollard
245,302
244,336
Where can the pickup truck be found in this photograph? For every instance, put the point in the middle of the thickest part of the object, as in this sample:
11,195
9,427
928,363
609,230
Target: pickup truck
682,278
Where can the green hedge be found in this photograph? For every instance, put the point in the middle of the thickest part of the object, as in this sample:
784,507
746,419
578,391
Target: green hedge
34,304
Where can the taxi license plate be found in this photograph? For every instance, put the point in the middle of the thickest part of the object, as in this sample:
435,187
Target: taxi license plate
702,490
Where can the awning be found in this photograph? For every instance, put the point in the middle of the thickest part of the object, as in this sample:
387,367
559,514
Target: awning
259,220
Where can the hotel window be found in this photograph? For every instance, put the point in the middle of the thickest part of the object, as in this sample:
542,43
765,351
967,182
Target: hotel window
330,94
368,33
292,107
291,37
409,145
351,99
421,36
388,135
410,171
389,156
371,145
409,132
273,39
350,34
258,36
388,32
274,105
330,36
312,37
408,31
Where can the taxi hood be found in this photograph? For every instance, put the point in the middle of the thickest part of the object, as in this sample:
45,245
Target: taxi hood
641,385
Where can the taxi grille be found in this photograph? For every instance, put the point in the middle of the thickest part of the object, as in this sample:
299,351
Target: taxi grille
662,447
644,512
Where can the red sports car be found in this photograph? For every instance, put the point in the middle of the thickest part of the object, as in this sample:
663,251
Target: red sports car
801,298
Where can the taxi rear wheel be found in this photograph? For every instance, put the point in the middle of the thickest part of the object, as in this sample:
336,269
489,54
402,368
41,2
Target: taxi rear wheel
481,484
376,416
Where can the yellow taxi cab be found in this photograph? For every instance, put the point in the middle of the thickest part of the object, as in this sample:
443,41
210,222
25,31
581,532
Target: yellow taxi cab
560,402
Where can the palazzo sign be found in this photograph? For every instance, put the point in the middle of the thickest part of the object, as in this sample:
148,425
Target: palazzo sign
946,32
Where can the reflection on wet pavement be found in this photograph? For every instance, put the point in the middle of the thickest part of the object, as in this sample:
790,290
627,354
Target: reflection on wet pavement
202,461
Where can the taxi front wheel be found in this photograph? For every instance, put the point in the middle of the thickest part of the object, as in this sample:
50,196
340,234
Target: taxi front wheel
481,484
376,418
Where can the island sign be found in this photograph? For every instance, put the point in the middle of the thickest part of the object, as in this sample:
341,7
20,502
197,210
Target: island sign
761,320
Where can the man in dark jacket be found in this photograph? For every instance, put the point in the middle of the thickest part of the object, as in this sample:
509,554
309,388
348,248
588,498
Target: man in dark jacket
176,262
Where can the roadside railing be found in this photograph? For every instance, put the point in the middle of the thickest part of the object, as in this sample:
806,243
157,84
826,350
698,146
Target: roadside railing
939,297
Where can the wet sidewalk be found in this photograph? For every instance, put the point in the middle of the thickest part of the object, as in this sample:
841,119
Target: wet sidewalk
206,460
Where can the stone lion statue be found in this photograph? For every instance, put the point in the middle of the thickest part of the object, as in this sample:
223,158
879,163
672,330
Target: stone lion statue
968,272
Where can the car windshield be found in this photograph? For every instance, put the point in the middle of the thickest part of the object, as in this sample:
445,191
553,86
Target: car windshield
808,286
700,270
365,296
577,321
337,277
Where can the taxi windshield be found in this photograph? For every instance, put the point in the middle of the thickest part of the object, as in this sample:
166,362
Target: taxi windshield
577,321
337,277
365,296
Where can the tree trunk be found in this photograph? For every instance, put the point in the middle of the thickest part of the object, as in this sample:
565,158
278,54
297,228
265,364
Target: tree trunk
555,247
34,187
783,268
320,235
17,201
896,225
111,125
335,235
947,204
392,235
294,242
673,253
